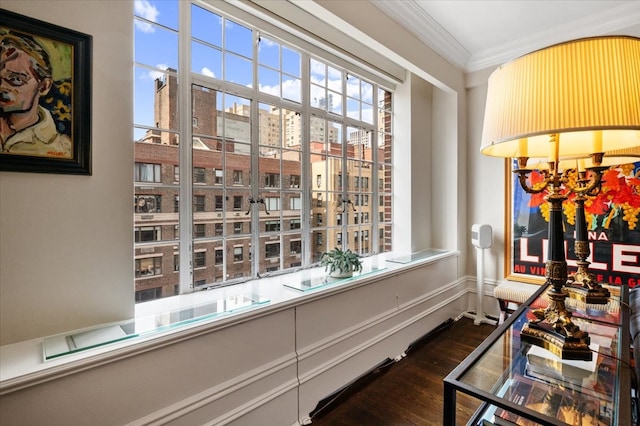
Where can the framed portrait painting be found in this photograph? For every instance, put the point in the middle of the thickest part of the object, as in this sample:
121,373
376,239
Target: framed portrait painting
612,227
45,97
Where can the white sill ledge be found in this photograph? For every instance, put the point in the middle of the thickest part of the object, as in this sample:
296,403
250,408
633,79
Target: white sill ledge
24,364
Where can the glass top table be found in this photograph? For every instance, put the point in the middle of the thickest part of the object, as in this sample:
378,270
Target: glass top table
522,384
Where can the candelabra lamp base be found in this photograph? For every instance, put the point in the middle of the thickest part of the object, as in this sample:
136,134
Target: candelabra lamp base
544,335
582,284
553,329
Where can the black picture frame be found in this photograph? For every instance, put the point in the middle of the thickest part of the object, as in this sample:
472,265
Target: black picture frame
60,143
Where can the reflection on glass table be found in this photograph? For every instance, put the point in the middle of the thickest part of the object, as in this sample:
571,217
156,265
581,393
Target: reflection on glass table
310,280
524,384
57,346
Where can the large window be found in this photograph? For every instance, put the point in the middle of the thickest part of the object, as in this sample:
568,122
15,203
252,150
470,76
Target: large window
267,152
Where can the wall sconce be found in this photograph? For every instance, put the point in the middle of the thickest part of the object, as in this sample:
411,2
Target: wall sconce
579,99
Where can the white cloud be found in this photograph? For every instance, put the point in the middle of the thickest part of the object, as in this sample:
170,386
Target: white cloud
334,73
272,90
147,11
154,75
353,89
206,71
291,90
335,85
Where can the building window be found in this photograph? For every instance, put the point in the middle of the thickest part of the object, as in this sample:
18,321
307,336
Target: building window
339,219
272,250
272,225
237,254
176,263
219,203
176,174
148,266
176,204
198,203
319,238
294,224
200,259
318,181
237,177
219,229
272,203
294,181
147,203
146,172
272,180
295,203
218,176
148,294
198,175
219,256
339,238
199,230
318,219
295,247
237,228
147,233
237,202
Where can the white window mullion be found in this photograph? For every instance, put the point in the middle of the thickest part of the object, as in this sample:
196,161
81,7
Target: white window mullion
305,172
255,164
185,147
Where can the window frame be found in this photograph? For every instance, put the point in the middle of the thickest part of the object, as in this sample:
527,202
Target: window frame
186,175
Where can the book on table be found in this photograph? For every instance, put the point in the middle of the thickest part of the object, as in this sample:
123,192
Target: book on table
568,406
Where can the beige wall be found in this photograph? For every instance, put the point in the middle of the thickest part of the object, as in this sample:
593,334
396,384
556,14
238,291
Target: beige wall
66,241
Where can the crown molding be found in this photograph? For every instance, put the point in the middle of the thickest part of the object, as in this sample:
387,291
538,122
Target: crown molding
619,20
416,20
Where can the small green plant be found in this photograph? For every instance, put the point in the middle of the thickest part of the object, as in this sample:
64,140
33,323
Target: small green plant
338,261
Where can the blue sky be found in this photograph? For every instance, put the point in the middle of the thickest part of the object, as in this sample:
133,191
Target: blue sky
157,46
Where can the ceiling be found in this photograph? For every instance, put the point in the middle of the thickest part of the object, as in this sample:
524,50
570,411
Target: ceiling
479,34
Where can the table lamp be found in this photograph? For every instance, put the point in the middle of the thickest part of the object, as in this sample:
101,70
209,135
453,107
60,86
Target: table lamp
582,284
575,99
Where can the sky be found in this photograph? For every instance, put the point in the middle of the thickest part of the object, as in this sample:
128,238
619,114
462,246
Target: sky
156,46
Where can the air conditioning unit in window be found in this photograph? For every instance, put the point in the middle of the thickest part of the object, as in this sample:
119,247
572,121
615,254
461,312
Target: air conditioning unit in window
219,214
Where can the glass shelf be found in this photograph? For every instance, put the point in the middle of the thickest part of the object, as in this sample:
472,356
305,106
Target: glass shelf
61,345
419,255
309,282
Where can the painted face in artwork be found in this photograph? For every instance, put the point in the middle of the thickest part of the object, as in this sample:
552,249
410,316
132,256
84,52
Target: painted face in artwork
20,88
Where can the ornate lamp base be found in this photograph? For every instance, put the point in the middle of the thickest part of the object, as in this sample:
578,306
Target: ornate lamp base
582,284
554,330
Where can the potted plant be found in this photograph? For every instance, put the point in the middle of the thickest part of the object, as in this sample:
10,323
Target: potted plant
341,264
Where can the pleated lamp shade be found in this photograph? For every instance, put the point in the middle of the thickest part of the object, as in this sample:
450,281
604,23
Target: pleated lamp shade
586,92
611,158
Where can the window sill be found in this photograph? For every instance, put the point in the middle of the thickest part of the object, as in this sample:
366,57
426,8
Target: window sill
25,364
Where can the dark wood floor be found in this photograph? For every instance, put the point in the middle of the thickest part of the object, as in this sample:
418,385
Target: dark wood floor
409,392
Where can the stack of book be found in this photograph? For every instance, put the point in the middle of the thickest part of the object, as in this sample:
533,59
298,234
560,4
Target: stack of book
555,402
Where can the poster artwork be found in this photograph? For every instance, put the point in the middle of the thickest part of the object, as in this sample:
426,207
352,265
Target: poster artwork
612,224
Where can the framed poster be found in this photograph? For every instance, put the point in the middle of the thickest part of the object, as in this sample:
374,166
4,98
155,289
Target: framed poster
45,97
612,224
